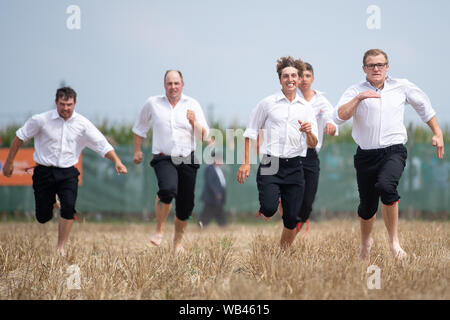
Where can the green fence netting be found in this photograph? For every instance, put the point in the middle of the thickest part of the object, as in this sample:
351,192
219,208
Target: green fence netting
424,186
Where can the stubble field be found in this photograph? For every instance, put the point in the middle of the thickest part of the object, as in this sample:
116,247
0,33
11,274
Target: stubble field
117,261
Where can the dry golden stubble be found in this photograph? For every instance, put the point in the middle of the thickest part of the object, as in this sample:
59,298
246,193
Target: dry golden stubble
237,262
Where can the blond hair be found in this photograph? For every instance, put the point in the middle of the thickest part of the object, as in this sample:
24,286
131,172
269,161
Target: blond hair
374,52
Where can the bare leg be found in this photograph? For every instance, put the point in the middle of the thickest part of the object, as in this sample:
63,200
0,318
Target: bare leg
390,216
162,211
57,204
180,227
366,238
287,237
63,234
280,208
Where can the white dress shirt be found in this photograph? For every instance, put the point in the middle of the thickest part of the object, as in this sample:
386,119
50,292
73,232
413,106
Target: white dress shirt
172,133
323,110
378,122
279,120
59,142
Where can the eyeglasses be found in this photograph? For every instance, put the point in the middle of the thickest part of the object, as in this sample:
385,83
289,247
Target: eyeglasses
378,65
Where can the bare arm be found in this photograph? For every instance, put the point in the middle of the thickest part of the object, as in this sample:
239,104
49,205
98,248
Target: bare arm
346,111
137,158
199,131
8,167
120,168
244,170
438,139
311,139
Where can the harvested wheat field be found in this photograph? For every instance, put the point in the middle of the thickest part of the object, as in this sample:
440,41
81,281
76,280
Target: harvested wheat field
116,261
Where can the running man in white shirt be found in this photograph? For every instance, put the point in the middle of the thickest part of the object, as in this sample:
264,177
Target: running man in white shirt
289,128
377,107
59,138
178,120
311,163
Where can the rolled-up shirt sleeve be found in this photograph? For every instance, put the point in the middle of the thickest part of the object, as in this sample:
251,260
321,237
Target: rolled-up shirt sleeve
256,121
419,101
348,95
96,141
31,128
142,124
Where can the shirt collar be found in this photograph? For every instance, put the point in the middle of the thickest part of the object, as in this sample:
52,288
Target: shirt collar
280,96
55,115
182,98
387,82
318,94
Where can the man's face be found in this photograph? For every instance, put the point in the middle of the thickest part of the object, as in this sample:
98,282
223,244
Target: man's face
306,80
65,107
376,74
173,85
289,79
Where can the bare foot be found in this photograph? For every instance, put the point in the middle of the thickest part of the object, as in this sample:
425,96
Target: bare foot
156,239
179,249
364,253
398,252
61,252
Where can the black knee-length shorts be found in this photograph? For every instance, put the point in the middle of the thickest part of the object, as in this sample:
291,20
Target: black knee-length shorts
49,182
176,179
378,172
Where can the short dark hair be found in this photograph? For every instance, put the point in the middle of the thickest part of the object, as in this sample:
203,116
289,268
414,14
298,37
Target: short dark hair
179,72
308,67
285,62
66,93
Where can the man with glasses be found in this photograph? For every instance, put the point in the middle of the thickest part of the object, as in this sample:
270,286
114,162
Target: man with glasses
377,107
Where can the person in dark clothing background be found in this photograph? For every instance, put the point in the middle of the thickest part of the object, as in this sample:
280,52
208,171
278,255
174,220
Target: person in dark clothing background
213,195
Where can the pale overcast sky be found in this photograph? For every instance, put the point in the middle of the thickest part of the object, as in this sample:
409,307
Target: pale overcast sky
227,51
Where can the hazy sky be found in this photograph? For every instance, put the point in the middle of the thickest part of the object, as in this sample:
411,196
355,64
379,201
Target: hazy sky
227,51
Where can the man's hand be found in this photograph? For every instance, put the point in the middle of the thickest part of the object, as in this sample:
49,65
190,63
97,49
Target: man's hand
243,173
8,168
120,168
367,95
346,111
330,129
438,142
305,127
190,115
137,159
311,139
